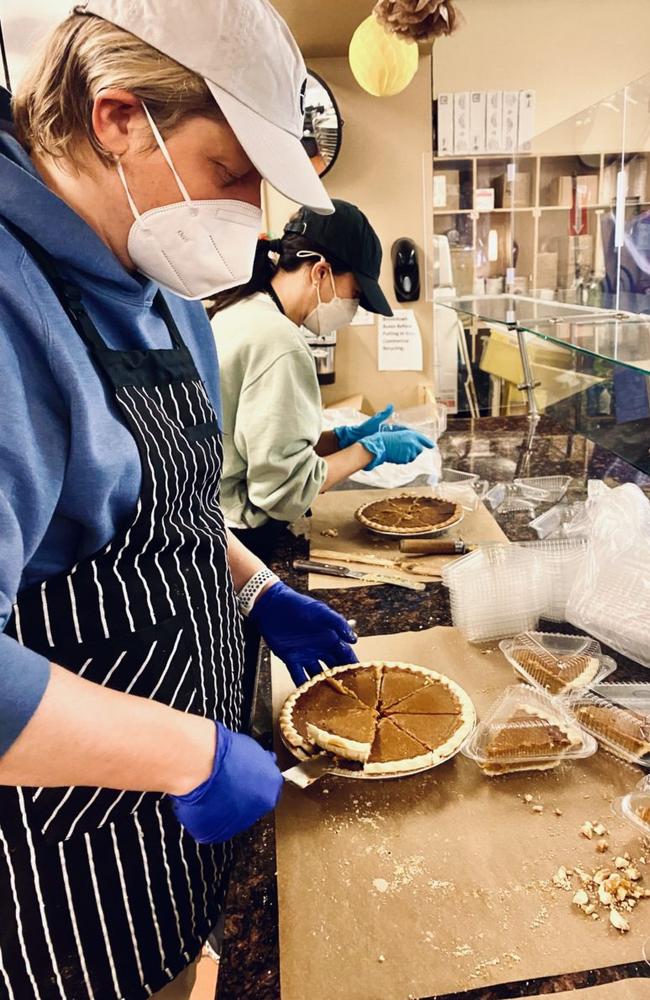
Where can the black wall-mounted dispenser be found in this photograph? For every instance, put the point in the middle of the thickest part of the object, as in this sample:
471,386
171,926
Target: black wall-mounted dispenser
406,270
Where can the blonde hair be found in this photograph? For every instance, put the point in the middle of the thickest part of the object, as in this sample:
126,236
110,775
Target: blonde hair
53,105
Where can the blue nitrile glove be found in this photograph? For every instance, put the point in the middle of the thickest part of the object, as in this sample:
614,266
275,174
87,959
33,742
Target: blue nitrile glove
244,785
397,446
302,631
350,435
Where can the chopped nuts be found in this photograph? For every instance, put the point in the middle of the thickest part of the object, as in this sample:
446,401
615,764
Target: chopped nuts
618,921
602,847
599,830
558,812
581,898
587,830
528,797
538,809
621,862
561,879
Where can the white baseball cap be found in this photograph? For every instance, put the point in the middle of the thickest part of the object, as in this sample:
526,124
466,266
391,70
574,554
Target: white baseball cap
253,67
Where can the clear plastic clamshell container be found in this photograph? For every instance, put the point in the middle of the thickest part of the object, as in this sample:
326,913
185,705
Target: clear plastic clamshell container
622,732
526,730
628,694
556,663
635,810
545,489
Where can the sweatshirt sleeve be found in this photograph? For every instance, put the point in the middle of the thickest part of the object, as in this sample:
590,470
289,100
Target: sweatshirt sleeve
33,452
277,426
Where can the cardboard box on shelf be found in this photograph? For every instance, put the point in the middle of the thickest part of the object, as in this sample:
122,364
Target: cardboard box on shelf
461,123
510,120
561,190
445,124
493,121
526,120
484,199
547,270
446,189
477,121
513,190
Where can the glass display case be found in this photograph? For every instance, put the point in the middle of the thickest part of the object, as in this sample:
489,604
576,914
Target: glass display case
567,330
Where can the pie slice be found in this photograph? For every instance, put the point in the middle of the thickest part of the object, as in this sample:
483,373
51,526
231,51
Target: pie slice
528,739
434,698
556,674
643,812
364,682
347,730
408,515
393,749
315,703
434,731
398,682
625,733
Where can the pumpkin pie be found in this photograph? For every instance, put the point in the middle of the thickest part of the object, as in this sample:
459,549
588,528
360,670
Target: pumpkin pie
553,673
343,714
527,739
409,515
625,733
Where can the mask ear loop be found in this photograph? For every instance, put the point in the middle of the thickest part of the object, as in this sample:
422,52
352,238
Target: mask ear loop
165,152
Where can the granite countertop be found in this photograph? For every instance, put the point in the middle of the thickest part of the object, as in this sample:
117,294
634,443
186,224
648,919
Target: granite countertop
491,447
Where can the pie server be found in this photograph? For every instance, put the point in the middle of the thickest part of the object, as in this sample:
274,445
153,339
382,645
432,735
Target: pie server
328,569
305,774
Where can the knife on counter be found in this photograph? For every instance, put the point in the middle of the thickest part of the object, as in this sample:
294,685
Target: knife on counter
328,569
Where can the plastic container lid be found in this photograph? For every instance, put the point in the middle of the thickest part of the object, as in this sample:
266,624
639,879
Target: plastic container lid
628,694
635,810
624,733
549,489
557,663
526,730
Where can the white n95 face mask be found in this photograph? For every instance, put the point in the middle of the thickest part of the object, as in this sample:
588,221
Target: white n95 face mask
193,248
332,315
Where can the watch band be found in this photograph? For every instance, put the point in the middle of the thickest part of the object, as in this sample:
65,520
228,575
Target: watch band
250,591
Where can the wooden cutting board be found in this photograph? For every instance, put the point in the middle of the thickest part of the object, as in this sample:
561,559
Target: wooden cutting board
442,882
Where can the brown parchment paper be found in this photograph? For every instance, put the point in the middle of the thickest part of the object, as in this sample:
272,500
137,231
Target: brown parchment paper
335,510
626,989
442,882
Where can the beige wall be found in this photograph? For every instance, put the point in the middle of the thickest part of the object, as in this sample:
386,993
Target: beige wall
572,52
380,169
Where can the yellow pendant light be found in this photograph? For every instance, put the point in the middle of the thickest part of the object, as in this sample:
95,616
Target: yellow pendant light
382,64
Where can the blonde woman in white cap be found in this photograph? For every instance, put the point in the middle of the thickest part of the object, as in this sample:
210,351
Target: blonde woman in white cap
132,165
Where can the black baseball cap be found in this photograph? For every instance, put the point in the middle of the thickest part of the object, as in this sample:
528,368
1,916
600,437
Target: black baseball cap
348,236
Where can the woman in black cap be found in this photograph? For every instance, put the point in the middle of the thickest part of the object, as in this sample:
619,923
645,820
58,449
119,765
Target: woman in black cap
277,459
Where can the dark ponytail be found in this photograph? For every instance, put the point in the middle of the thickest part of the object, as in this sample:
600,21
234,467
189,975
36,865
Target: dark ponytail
272,256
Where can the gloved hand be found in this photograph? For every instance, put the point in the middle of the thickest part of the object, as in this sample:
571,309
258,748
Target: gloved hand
302,631
397,446
350,435
244,785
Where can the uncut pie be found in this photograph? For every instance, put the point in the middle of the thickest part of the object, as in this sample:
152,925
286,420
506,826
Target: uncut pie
409,515
625,733
390,718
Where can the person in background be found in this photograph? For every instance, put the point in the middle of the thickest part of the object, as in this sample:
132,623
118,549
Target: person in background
277,458
133,164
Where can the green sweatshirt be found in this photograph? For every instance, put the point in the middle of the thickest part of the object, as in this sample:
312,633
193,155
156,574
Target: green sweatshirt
271,414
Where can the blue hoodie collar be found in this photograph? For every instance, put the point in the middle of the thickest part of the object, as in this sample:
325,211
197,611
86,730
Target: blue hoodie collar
27,202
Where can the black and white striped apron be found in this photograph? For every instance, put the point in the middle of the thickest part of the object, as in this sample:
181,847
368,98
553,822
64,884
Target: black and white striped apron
102,893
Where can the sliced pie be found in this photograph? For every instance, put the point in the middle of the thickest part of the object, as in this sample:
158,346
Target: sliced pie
342,713
527,739
409,515
348,731
556,674
364,682
394,749
643,812
434,731
399,682
317,703
625,733
434,698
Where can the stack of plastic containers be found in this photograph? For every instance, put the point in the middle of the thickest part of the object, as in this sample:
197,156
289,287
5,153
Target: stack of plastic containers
559,561
496,591
545,489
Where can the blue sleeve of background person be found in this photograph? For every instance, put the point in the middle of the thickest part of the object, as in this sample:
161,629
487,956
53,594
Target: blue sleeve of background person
33,454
